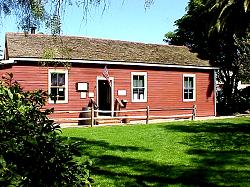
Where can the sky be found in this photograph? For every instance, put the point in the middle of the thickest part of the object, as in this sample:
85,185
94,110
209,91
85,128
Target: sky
122,20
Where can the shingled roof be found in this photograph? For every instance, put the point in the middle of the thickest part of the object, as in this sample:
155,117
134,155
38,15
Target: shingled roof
20,45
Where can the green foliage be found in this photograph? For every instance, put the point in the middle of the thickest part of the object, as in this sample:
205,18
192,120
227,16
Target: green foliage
243,58
229,16
32,153
54,23
170,36
243,102
61,51
34,12
28,12
31,13
208,19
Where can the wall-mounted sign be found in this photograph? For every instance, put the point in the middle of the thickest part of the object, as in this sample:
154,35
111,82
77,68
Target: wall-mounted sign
122,92
83,95
91,95
82,86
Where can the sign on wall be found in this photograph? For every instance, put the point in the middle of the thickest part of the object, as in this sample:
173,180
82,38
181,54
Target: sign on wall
82,86
122,92
91,95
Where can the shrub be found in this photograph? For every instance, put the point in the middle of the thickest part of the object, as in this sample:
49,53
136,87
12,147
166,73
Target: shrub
32,152
243,104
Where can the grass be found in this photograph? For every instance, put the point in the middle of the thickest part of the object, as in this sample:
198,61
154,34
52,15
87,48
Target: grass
184,153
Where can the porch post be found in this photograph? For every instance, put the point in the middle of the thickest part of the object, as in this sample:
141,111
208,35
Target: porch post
147,114
92,115
194,112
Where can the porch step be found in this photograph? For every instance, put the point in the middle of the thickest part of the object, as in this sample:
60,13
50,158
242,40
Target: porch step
108,121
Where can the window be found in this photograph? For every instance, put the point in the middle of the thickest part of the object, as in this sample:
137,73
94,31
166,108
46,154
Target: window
139,86
58,86
188,87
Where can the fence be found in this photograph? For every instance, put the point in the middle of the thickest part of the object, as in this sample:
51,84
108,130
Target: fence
145,117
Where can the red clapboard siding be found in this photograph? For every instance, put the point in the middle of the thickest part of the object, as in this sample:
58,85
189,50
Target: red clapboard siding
164,86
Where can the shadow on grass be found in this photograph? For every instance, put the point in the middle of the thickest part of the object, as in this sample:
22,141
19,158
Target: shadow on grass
221,150
100,146
220,155
141,172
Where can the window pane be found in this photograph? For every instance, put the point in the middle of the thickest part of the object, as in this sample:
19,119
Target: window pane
141,93
61,79
135,93
141,81
57,93
185,82
190,96
135,81
53,91
60,97
61,91
185,95
53,79
191,82
53,94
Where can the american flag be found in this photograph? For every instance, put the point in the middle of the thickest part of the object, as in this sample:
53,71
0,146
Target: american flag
105,73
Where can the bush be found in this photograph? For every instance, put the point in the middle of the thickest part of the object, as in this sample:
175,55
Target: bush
243,104
32,153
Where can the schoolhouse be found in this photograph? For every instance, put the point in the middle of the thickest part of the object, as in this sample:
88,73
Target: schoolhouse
75,69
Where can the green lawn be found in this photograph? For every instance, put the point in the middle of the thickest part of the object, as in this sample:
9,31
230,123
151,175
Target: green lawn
184,153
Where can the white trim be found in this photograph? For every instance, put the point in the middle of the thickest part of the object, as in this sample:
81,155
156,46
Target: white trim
215,93
66,85
115,63
3,62
112,91
194,93
145,74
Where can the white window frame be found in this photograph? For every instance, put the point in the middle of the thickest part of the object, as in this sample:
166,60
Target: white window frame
65,71
183,87
145,85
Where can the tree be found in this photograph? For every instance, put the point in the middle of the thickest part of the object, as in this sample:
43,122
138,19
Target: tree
230,16
32,153
244,59
217,30
33,12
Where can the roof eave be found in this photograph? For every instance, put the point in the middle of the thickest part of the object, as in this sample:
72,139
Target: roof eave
115,63
4,62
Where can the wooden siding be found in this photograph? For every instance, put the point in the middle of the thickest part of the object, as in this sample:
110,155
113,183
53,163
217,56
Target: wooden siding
165,86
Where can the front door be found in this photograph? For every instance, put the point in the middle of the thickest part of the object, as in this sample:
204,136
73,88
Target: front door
104,96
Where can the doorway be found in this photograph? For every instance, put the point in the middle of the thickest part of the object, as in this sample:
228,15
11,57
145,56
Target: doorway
105,95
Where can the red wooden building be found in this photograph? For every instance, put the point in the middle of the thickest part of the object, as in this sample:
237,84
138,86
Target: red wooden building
142,74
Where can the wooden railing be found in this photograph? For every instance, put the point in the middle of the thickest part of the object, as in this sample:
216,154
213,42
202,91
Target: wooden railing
145,117
119,103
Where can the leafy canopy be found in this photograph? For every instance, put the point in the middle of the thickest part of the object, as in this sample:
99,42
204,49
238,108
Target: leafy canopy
206,22
30,13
